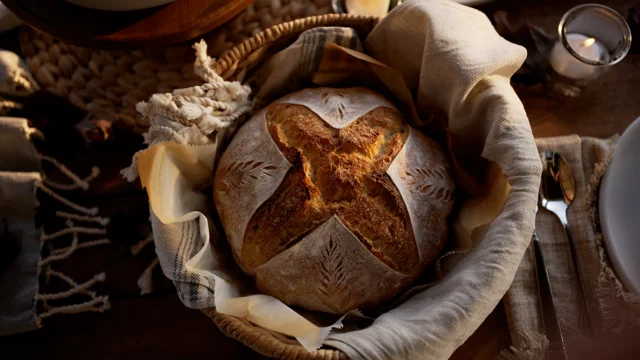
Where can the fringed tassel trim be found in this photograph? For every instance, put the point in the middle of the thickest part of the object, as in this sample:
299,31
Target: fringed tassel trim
99,304
534,348
88,215
92,219
620,309
214,106
89,211
76,181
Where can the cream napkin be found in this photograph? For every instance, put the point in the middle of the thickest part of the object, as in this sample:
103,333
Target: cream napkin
456,62
453,61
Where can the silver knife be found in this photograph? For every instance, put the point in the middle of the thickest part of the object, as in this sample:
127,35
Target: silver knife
556,349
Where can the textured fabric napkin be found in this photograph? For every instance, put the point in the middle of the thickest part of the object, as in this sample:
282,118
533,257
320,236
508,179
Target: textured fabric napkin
23,304
451,60
615,312
19,172
456,63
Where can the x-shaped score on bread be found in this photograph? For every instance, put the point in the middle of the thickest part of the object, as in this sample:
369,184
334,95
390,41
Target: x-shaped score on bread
331,201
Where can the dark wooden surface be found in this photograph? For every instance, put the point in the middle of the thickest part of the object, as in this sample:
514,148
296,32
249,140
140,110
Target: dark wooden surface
605,108
158,326
172,23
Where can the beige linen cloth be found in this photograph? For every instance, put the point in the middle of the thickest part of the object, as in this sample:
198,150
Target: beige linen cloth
452,61
615,312
19,172
23,303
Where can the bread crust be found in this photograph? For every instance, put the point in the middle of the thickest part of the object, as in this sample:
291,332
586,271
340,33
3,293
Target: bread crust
335,171
331,202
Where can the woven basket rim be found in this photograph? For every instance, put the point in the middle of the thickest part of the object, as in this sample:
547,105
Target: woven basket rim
232,59
266,342
229,65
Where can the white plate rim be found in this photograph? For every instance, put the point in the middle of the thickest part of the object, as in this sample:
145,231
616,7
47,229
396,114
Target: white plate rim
617,259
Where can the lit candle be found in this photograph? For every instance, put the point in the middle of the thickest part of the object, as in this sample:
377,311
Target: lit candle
567,65
378,8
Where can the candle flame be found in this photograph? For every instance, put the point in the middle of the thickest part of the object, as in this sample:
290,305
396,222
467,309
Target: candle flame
588,42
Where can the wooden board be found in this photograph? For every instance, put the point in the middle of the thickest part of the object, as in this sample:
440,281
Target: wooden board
176,22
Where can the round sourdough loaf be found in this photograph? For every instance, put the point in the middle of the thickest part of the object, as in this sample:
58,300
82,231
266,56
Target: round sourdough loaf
331,201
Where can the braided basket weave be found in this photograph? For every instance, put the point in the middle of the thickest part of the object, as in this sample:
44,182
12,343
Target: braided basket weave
233,65
110,83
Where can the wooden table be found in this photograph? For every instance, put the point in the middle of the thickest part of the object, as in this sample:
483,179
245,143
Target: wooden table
158,326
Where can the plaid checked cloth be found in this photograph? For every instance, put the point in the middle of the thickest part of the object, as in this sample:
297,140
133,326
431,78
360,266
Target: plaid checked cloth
183,241
178,245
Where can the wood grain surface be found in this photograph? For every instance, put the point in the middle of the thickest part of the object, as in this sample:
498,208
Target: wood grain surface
158,326
172,23
606,108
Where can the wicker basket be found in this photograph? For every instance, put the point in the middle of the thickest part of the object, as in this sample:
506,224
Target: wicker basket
233,65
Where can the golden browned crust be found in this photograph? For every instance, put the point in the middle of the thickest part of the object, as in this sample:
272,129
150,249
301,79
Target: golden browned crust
284,219
335,171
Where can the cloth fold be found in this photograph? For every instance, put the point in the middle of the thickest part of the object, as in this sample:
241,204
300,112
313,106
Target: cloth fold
449,69
445,70
615,312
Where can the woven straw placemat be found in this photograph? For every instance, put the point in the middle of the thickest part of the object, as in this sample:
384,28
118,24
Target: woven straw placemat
110,83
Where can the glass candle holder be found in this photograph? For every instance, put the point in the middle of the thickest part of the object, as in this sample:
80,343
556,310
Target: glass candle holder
592,38
366,7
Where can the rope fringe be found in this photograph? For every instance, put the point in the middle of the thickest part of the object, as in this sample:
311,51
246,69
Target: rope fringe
101,277
95,219
145,282
68,280
62,255
99,304
96,303
202,65
84,245
89,211
76,181
213,106
73,230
